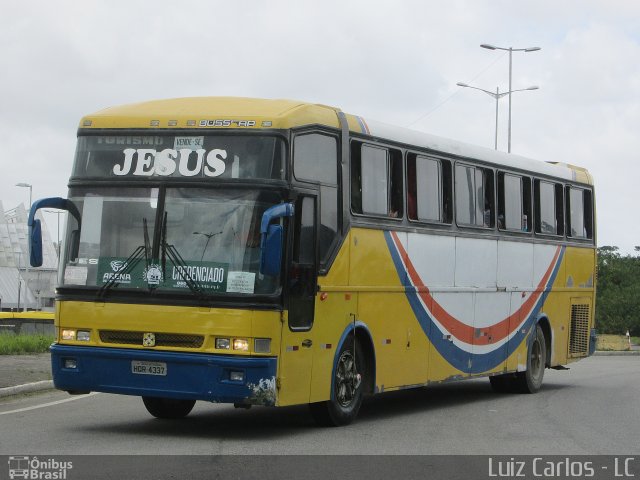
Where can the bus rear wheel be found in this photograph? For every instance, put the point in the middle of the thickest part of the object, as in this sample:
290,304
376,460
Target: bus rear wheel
347,387
530,380
168,407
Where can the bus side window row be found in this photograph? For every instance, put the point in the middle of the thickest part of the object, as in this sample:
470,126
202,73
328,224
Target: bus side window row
520,204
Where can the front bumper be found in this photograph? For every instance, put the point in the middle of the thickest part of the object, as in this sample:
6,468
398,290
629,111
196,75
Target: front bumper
188,375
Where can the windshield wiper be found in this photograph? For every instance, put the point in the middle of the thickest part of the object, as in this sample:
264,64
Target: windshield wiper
175,257
130,263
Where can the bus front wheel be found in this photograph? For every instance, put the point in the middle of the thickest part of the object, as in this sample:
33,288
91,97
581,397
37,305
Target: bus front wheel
347,387
168,407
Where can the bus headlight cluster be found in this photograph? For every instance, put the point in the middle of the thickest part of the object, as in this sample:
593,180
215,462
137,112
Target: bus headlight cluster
78,335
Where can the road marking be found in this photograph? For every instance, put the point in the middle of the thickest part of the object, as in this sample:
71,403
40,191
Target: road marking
43,405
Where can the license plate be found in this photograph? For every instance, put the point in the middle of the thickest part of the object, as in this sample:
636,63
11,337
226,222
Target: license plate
148,368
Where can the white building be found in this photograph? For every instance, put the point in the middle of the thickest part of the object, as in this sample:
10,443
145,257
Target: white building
19,284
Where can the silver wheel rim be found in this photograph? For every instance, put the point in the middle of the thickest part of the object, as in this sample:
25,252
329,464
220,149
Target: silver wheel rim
346,379
536,360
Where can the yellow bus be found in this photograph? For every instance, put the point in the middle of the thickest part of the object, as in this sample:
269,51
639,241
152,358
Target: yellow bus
276,252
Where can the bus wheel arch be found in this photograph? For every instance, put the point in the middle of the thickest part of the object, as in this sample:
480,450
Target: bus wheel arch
545,325
363,337
352,378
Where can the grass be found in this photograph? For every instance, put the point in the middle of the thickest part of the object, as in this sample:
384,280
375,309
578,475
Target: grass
635,340
24,344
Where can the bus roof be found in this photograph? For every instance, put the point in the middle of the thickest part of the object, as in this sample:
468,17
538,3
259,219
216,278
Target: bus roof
251,113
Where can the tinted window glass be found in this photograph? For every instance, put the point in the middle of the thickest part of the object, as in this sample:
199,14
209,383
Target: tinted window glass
316,158
576,213
512,202
547,200
428,189
374,180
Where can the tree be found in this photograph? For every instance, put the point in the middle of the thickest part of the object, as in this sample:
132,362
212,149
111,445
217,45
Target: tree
618,292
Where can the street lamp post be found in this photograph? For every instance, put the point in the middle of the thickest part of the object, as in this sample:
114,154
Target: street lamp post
510,50
497,97
26,269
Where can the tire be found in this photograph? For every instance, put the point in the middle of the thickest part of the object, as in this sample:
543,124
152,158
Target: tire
347,390
530,380
168,407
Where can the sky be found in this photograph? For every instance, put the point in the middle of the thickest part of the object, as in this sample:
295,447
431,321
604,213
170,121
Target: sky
394,61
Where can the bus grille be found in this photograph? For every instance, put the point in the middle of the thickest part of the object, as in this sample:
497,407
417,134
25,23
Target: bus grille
162,339
579,339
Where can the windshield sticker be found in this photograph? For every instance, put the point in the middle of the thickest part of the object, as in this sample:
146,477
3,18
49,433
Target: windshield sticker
153,274
191,143
146,162
241,282
206,276
75,275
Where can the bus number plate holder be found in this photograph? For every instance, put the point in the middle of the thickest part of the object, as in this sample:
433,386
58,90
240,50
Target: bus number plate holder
148,368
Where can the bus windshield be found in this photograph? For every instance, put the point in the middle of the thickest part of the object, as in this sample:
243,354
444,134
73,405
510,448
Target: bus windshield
185,240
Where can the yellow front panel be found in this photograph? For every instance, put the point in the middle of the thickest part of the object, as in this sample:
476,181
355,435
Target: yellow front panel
199,321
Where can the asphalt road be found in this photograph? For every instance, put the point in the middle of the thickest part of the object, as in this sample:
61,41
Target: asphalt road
592,409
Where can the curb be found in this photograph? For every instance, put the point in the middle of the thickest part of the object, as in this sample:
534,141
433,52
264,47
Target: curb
612,353
26,388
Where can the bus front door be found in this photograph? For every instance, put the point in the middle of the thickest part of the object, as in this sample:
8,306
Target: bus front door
297,329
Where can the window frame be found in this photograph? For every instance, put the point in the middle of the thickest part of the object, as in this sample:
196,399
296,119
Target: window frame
394,170
525,202
587,213
559,189
324,262
445,189
492,200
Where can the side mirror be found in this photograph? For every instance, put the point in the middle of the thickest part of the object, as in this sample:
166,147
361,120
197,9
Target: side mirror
35,227
35,243
271,238
272,257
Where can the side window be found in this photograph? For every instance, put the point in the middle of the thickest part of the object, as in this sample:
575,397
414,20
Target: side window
302,276
475,204
305,251
514,202
549,208
580,213
428,189
316,160
376,181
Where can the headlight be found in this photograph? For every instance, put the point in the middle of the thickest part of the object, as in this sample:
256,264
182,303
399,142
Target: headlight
83,336
240,344
68,334
222,343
